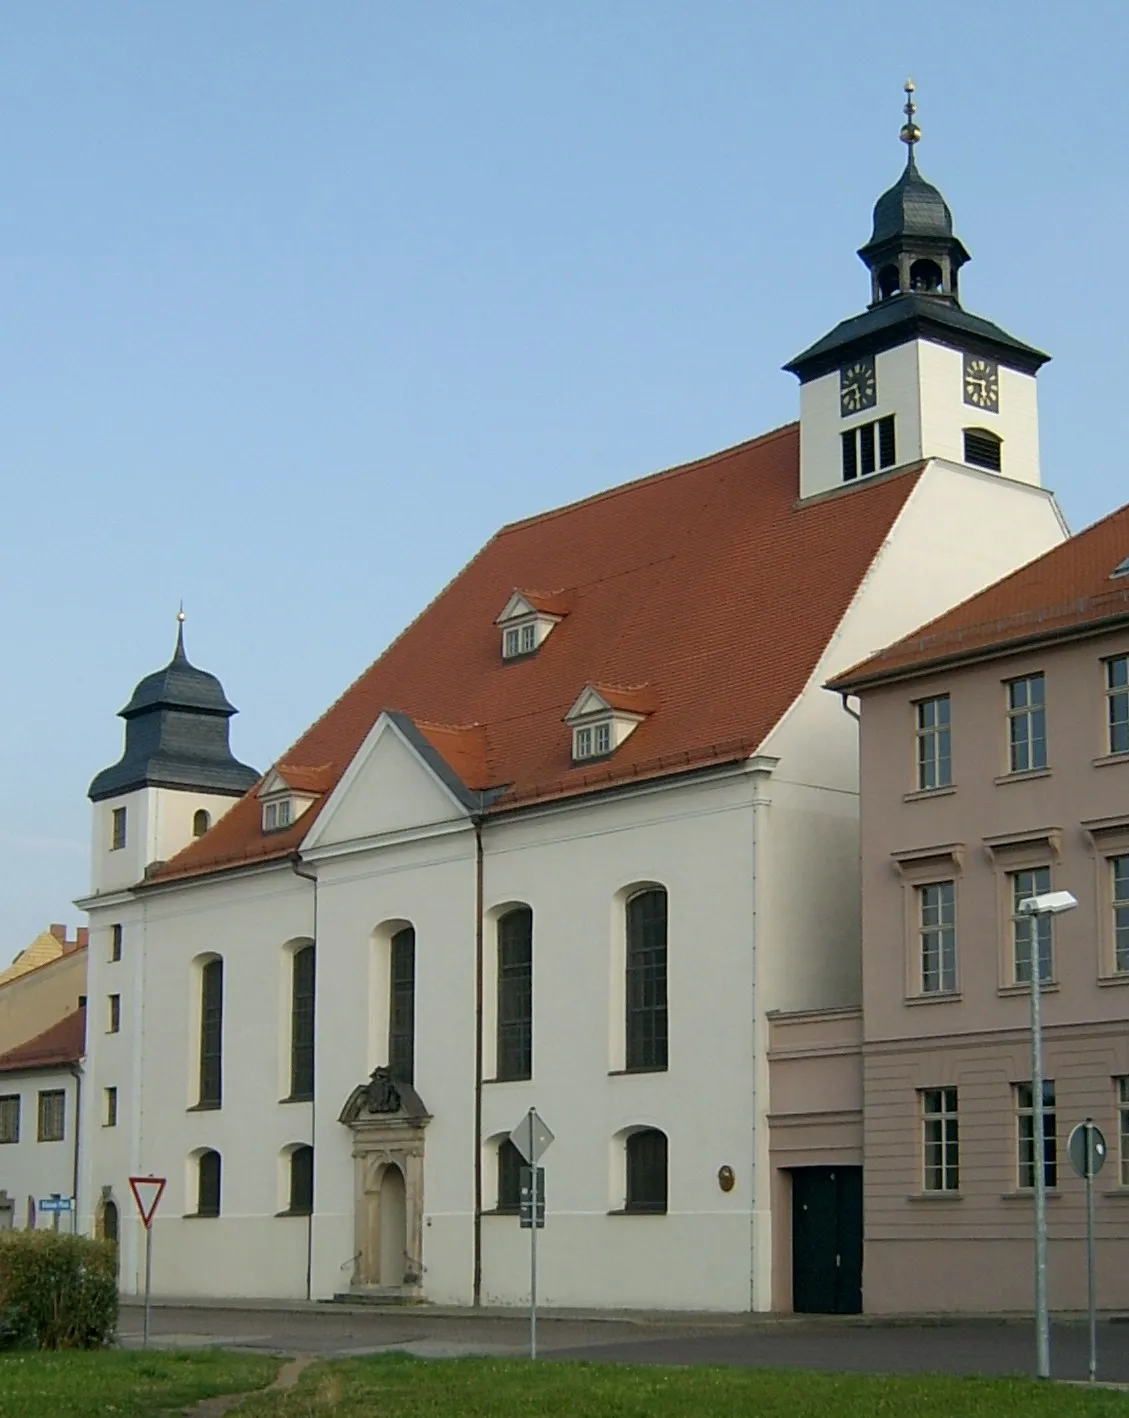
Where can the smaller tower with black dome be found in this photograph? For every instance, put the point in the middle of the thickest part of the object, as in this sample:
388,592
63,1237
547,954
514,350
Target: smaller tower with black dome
176,775
915,376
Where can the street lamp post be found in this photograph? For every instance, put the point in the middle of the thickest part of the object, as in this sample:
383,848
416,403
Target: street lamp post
1050,903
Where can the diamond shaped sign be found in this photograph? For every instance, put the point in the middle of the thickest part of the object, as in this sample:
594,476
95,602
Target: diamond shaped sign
147,1193
532,1137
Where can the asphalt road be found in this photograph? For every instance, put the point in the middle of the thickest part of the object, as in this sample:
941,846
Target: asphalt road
977,1347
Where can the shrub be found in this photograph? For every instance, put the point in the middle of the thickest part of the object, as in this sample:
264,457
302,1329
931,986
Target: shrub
56,1291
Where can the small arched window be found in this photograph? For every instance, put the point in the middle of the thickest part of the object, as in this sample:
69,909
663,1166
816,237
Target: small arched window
646,980
208,1184
201,821
510,1163
302,1181
983,449
646,1171
925,275
889,282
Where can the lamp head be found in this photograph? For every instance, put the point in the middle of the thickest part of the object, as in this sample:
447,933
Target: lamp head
1050,903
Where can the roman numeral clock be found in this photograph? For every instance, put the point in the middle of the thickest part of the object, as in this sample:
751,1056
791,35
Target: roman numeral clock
858,387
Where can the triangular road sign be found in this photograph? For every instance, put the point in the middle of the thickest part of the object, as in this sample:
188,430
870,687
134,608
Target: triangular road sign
147,1193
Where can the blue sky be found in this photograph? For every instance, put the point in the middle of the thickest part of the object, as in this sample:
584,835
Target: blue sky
300,302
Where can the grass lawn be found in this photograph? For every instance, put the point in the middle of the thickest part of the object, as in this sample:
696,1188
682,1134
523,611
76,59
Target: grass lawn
122,1383
398,1386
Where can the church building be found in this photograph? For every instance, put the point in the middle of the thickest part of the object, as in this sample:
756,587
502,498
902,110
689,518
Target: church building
569,842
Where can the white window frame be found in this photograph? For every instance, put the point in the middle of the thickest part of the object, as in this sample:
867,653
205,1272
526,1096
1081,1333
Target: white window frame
1117,703
1027,749
278,814
519,640
10,1118
1025,1154
940,1140
1123,1129
937,940
1025,930
528,638
934,743
592,740
511,642
1119,906
582,743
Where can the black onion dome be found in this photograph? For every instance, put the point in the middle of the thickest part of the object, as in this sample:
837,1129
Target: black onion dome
176,736
912,207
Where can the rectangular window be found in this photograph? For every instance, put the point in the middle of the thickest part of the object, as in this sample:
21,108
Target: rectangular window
646,981
528,639
515,994
402,1006
1027,929
115,942
10,1118
1026,724
582,743
52,1115
302,1181
303,986
110,1107
869,447
276,815
934,743
603,738
1025,1111
940,1140
117,829
1122,1128
1119,878
114,1021
208,1184
511,642
1117,698
211,1034
936,906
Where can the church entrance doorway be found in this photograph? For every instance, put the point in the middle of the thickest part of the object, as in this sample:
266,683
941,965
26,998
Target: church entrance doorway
827,1240
392,1262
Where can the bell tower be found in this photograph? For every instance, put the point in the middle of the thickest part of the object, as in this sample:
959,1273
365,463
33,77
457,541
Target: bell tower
915,376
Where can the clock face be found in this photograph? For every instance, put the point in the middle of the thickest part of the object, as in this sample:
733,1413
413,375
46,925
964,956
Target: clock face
981,382
858,387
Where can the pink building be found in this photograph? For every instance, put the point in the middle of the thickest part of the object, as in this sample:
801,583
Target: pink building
994,765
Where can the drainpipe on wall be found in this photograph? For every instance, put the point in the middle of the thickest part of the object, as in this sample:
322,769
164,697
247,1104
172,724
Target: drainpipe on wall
854,713
478,970
76,1070
295,861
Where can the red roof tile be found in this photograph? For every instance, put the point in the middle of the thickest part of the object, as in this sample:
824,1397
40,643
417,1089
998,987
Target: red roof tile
707,585
1068,591
64,1043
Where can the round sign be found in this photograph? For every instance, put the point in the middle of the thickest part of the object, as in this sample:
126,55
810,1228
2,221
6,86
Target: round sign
1086,1137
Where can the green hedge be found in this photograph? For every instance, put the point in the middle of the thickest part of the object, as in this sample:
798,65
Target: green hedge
56,1291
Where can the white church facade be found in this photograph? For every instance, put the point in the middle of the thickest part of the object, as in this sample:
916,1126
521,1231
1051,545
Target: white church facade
567,843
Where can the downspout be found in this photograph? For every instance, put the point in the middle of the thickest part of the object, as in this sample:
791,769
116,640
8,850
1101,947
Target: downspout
844,695
76,1070
311,876
478,971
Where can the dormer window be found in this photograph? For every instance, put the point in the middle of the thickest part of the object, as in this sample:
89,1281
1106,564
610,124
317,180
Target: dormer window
602,718
285,801
527,620
277,814
592,741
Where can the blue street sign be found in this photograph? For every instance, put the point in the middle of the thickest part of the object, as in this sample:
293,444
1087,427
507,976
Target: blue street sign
55,1203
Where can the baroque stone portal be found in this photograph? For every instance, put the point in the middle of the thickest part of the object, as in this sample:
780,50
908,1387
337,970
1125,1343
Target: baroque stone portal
387,1118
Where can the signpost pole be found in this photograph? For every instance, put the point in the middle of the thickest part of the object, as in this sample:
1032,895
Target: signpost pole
148,1282
533,1269
1038,1148
55,1197
1091,1288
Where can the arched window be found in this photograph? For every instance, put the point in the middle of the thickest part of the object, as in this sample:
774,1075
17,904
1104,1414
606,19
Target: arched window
983,449
302,1023
201,821
110,1221
889,282
510,1163
302,1181
646,1171
402,1006
925,275
211,1034
208,1184
515,994
646,980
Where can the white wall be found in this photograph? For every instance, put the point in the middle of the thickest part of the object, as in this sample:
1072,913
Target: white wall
158,825
30,1167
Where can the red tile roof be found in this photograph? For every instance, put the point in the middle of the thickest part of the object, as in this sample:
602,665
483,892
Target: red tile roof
1068,591
706,592
64,1043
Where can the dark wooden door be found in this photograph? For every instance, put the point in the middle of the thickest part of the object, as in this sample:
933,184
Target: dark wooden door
827,1240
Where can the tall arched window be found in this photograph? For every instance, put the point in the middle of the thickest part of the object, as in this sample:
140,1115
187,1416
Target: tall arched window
302,1023
302,1181
646,980
510,1163
201,821
402,1006
646,1171
208,1184
211,1034
515,994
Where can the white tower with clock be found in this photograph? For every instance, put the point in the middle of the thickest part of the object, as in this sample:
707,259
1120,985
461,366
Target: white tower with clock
915,377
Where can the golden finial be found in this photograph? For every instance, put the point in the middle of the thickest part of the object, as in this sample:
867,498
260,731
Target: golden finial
178,653
910,133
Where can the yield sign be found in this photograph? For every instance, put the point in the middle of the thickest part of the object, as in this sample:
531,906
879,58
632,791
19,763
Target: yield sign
532,1137
147,1193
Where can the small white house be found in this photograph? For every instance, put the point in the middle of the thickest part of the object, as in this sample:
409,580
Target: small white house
566,843
40,1086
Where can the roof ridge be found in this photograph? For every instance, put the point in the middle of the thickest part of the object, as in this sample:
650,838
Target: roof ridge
678,470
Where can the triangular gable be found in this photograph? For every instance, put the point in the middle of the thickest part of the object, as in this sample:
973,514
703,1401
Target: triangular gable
515,608
273,782
396,782
590,702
